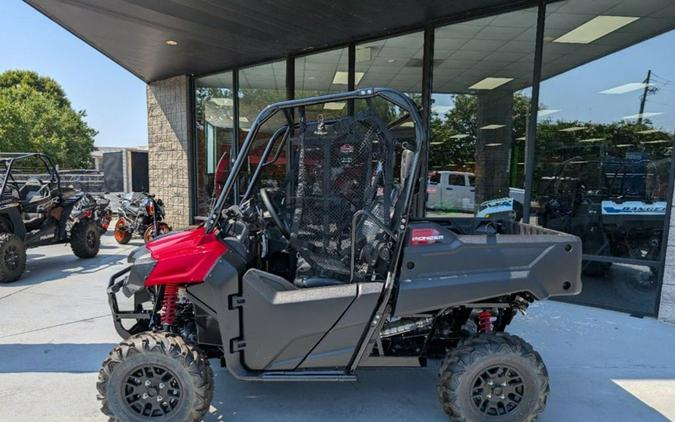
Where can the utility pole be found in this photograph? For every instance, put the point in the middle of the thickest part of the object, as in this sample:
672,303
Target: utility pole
643,99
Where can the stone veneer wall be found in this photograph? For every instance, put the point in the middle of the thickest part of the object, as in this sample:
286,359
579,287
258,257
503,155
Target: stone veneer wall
667,308
168,146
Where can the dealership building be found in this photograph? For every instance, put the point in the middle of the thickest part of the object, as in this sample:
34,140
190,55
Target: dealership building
566,106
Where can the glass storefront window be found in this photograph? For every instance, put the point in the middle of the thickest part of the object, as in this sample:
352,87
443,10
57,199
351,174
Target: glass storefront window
320,74
604,144
481,100
259,86
214,134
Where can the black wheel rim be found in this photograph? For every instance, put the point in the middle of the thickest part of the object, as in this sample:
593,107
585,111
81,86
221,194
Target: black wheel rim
152,391
11,258
91,239
498,391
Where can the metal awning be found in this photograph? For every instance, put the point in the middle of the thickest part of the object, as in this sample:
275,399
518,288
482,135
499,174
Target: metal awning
213,35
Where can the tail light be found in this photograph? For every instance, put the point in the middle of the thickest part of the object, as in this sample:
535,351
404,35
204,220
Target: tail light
150,208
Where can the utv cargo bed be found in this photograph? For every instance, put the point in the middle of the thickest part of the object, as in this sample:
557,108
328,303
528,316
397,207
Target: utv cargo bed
448,262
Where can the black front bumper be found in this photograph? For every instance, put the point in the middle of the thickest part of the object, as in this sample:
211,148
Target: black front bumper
142,317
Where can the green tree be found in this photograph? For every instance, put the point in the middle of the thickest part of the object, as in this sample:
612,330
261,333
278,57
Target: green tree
36,116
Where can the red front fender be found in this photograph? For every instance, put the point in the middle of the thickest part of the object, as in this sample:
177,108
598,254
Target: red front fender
185,257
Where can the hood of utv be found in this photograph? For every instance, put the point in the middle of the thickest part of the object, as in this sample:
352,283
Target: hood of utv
183,257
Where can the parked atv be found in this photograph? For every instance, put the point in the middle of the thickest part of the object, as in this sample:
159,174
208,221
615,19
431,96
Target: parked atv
36,211
140,213
327,273
99,210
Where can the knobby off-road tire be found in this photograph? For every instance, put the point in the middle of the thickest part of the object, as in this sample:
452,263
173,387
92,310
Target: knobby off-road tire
122,235
12,257
137,367
495,377
85,239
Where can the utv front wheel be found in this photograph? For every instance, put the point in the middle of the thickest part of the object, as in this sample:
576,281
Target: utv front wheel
12,257
496,377
85,239
155,376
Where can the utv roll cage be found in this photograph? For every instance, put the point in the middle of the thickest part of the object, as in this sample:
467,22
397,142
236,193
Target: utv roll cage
288,107
8,159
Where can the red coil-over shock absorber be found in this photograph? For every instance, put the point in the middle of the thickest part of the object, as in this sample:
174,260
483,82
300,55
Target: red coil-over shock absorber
485,322
169,304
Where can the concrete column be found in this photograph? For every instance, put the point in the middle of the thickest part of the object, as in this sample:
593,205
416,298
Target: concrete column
493,144
667,308
168,147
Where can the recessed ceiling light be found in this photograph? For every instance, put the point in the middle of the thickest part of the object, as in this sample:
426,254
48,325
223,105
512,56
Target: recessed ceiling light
572,129
624,145
629,87
640,115
342,78
363,54
648,131
595,28
334,106
495,144
546,112
391,61
590,140
490,83
171,42
459,136
492,126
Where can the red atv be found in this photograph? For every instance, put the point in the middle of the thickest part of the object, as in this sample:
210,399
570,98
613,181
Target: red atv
314,276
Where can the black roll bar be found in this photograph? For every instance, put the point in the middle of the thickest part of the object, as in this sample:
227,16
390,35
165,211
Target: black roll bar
393,96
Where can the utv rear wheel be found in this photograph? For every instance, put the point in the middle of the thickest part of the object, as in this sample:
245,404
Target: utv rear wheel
496,377
155,376
122,233
12,257
85,239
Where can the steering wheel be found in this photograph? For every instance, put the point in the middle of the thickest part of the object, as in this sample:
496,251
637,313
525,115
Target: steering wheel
269,205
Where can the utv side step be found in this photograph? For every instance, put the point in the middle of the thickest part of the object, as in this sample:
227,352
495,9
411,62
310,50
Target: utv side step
307,376
397,361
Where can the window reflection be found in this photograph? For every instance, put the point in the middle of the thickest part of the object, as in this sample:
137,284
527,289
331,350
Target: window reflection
215,133
258,87
481,101
604,145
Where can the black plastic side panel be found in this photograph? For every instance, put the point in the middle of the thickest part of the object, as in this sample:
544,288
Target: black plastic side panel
282,323
338,346
462,269
213,298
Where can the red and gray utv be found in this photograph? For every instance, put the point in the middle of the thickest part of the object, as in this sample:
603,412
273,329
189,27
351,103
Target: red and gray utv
310,267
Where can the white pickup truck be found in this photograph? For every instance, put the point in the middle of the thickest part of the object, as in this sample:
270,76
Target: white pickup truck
455,191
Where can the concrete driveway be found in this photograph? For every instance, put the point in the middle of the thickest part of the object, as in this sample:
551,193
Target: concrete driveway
55,329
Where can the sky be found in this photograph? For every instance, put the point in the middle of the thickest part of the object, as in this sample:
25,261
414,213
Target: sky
113,98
